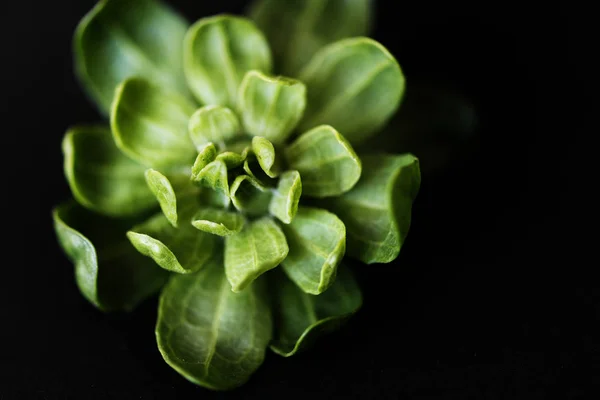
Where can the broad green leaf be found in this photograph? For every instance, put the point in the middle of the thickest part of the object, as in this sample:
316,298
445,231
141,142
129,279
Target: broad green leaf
213,123
101,178
297,29
150,124
326,161
232,159
317,241
258,248
377,211
213,337
301,317
264,152
206,154
250,196
354,85
109,272
284,203
271,106
214,176
218,221
182,250
165,194
218,51
119,39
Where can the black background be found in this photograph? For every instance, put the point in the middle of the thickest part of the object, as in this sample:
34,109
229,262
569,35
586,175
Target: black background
488,299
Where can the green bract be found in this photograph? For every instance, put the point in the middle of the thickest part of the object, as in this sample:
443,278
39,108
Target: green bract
241,187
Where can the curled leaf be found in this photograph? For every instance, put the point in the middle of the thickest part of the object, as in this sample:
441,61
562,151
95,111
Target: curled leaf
206,154
214,176
162,189
258,248
326,161
210,335
355,85
271,106
101,178
264,152
232,159
377,211
218,221
250,196
301,317
218,51
284,203
213,123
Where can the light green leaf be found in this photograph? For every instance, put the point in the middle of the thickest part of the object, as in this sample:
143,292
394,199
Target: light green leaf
231,159
163,190
206,154
218,221
101,178
301,317
213,124
258,248
326,161
150,124
119,39
182,250
271,106
213,337
317,241
354,85
264,152
218,51
109,272
297,29
377,211
284,203
253,169
250,196
214,176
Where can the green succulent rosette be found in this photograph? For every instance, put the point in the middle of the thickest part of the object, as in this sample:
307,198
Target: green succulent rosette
234,192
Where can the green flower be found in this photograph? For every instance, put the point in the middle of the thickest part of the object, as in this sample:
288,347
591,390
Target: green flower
215,171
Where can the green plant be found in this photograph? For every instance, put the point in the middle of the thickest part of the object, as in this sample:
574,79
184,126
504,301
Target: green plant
214,171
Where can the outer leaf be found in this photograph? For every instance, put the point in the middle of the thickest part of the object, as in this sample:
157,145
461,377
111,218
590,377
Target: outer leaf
300,317
109,272
250,196
100,176
210,335
150,124
165,194
218,51
119,39
326,161
213,124
182,250
284,203
355,85
317,241
218,221
265,155
297,29
206,154
271,106
377,212
214,176
259,247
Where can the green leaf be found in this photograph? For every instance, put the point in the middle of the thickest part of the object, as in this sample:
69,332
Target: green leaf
214,176
250,196
377,211
206,154
109,273
101,178
119,39
213,124
300,317
258,248
264,152
317,241
163,190
150,124
284,203
213,337
297,29
355,85
218,51
326,161
218,221
183,250
271,106
232,159
253,169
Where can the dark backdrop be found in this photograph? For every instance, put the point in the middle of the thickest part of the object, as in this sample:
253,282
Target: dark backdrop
483,302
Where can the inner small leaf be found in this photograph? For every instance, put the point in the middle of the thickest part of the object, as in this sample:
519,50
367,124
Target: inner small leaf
284,203
213,123
218,221
206,154
214,176
250,196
